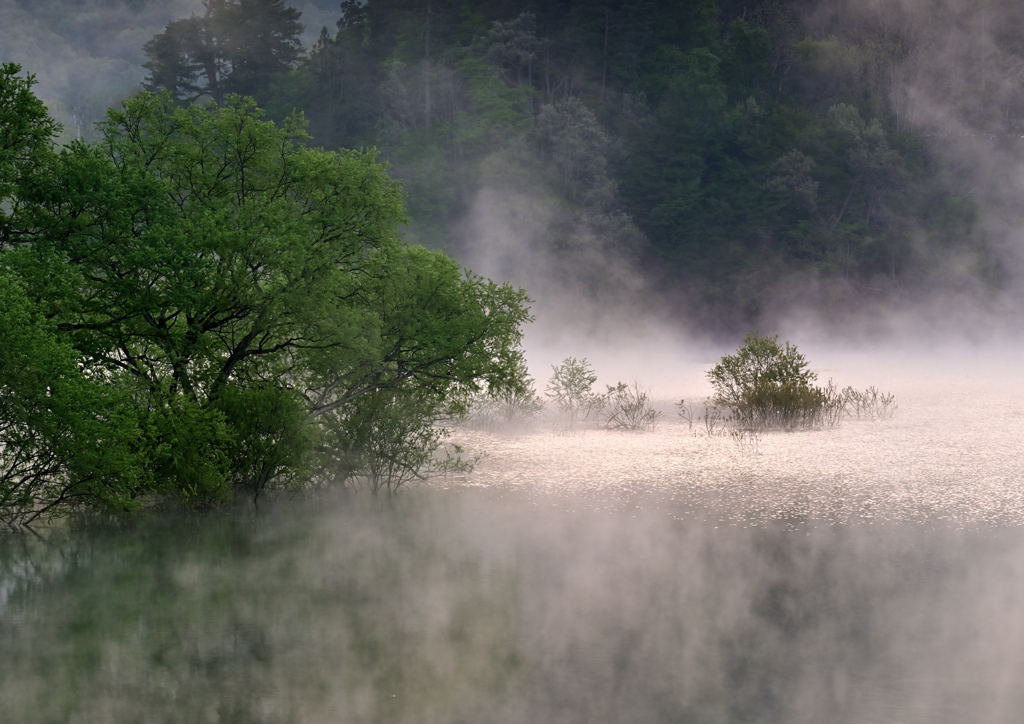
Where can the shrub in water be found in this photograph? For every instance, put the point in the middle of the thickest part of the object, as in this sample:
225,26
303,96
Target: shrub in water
570,389
871,404
768,385
628,407
514,404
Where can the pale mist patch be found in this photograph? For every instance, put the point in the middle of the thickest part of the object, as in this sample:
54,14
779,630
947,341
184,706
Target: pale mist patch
581,269
948,72
86,55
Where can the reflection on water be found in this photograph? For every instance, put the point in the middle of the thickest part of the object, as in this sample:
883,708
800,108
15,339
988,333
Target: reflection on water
480,606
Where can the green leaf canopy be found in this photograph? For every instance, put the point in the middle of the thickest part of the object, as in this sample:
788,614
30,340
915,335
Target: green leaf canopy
217,269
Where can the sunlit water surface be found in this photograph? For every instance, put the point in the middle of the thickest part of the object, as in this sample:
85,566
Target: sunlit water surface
870,573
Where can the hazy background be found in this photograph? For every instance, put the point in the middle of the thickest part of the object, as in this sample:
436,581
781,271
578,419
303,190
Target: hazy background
87,54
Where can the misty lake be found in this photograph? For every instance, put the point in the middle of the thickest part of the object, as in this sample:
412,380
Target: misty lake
869,573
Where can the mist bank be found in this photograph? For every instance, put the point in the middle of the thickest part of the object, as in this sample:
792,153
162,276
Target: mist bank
447,608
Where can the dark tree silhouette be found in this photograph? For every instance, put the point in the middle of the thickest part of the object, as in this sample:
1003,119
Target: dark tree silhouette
235,47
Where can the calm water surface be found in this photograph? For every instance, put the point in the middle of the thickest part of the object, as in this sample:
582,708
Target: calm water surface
480,607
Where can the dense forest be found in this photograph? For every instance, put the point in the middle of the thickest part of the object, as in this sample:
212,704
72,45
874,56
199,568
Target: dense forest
734,157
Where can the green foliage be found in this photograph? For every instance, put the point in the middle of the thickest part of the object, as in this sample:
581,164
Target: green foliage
26,136
760,363
745,58
272,443
567,132
237,46
495,111
509,404
188,452
67,440
791,177
392,438
571,389
513,47
236,304
790,405
745,152
203,246
442,334
766,384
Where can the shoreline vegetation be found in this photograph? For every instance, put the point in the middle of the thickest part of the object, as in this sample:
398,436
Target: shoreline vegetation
763,387
200,305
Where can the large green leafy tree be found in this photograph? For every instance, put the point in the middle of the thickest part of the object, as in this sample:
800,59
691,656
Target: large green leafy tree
26,138
245,292
237,46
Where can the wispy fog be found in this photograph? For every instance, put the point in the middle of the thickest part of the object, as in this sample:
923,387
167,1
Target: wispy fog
869,573
587,282
506,608
87,54
954,82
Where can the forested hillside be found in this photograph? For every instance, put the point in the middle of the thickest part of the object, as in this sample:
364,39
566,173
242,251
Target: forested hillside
729,159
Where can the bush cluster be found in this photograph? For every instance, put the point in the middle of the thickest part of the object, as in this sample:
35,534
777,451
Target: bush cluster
510,404
767,385
628,407
570,390
622,407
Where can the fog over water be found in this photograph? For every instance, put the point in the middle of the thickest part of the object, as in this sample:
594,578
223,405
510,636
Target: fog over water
952,452
872,572
511,608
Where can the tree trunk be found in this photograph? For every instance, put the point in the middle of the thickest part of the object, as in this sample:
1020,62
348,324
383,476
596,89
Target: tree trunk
529,73
845,204
426,74
210,60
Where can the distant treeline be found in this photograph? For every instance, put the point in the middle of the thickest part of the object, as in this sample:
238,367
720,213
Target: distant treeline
745,153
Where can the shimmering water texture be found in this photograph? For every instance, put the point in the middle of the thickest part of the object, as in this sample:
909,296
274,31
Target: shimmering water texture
953,452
